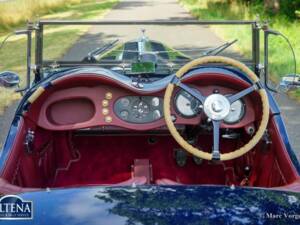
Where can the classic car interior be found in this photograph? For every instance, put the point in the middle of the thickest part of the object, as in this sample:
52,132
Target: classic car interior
143,113
85,129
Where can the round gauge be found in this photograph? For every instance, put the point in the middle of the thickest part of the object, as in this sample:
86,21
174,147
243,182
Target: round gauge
186,104
125,102
156,114
237,111
155,101
124,114
140,109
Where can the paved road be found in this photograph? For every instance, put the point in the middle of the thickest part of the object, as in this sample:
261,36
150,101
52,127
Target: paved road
192,37
198,36
291,115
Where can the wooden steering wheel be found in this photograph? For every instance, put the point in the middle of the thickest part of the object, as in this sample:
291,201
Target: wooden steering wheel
216,107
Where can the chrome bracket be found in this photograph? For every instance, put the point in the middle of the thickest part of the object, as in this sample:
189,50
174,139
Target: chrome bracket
28,143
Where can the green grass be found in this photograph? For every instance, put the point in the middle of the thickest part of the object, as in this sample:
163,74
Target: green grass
57,41
16,12
280,56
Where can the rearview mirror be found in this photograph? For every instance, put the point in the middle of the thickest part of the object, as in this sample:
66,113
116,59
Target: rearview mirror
9,79
289,82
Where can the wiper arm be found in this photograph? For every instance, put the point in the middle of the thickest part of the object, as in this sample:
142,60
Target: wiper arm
220,48
102,49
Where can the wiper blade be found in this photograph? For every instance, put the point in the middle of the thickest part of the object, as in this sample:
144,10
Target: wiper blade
220,48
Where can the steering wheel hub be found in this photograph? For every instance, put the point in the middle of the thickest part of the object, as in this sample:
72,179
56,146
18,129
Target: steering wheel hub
216,106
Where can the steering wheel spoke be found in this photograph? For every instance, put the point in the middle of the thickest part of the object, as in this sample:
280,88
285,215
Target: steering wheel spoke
216,141
195,93
241,94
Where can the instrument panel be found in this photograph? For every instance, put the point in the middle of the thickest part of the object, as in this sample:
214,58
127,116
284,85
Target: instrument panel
105,105
139,109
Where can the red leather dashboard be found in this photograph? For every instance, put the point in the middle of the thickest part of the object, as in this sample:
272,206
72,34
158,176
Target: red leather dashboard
84,107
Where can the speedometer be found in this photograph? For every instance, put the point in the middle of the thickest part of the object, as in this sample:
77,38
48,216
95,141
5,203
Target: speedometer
186,104
237,111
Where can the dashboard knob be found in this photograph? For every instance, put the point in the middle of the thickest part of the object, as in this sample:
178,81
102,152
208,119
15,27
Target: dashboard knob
108,95
104,103
108,119
105,111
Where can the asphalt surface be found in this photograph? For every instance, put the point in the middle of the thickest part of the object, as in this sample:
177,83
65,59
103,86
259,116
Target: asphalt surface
192,37
175,36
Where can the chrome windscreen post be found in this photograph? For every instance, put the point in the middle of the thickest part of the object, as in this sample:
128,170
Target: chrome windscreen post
267,32
28,32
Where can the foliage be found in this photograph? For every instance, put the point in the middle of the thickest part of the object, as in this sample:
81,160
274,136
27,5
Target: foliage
280,57
13,54
288,8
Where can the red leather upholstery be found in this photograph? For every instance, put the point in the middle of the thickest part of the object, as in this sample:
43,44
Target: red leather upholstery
37,170
132,181
165,181
142,168
295,186
7,188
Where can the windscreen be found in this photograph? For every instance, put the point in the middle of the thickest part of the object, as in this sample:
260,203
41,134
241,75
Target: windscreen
142,48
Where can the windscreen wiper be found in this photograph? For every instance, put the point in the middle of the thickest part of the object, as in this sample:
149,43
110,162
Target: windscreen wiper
91,55
220,48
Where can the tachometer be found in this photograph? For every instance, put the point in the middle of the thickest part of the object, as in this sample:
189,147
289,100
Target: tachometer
186,104
237,111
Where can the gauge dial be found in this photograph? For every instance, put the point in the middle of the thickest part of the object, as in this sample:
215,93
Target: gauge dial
186,104
140,109
156,114
124,114
125,102
155,101
237,111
